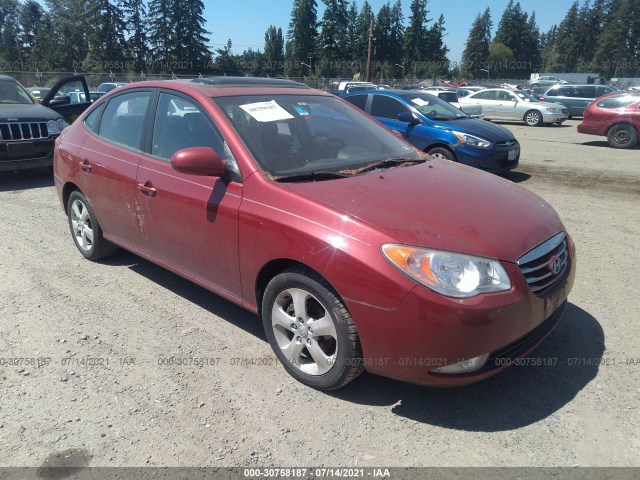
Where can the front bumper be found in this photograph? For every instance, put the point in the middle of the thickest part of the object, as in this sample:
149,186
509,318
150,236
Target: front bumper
26,155
428,331
496,160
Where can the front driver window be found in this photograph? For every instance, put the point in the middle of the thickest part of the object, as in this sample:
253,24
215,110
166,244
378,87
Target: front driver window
182,124
387,107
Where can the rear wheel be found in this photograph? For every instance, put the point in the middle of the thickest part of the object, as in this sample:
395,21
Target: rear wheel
533,118
622,136
310,330
442,153
86,230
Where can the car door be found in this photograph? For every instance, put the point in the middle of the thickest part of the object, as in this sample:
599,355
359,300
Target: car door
507,106
189,222
58,101
386,109
488,100
108,163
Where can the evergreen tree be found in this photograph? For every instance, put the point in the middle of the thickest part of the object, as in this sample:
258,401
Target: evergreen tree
382,66
70,27
476,52
9,31
31,15
226,63
618,48
513,33
301,36
160,29
567,49
361,43
333,37
189,37
274,51
437,50
396,37
135,14
107,45
416,38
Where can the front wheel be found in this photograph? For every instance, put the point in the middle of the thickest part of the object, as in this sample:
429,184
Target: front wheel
310,330
86,230
533,118
622,136
442,153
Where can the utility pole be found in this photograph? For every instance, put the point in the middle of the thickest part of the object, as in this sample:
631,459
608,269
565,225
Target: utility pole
370,51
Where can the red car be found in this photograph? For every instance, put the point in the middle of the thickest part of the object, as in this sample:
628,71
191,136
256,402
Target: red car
358,251
615,116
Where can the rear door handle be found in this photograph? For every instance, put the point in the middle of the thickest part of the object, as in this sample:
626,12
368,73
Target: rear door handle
85,166
148,191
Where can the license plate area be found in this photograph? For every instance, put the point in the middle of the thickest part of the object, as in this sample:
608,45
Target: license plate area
513,154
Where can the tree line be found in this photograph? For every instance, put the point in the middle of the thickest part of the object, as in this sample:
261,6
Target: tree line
170,36
597,36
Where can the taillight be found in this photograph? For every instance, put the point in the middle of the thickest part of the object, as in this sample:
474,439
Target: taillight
542,99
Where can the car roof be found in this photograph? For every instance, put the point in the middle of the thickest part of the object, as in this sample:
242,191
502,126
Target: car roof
7,78
392,91
228,86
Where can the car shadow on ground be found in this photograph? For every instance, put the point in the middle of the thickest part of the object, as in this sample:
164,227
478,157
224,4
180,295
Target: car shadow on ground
191,292
516,177
519,396
596,144
25,180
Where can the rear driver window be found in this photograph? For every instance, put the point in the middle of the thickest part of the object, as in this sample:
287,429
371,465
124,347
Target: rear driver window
123,119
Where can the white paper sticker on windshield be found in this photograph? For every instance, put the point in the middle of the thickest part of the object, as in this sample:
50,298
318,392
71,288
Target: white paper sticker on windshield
420,102
266,111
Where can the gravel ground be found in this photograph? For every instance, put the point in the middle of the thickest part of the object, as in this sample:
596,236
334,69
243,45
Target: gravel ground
92,385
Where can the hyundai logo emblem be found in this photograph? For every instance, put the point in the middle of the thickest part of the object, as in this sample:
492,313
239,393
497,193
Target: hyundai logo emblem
555,265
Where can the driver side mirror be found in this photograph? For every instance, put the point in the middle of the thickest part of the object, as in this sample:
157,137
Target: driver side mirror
410,118
59,101
198,161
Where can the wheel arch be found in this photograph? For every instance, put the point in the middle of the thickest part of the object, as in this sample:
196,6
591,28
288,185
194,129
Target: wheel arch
622,124
275,267
67,190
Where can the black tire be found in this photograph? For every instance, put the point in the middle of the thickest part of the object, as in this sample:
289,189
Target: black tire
622,136
441,152
332,360
85,229
533,118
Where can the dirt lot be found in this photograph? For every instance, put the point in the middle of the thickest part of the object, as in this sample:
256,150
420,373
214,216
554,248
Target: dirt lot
123,408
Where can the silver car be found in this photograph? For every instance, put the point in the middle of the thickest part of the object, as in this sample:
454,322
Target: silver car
517,105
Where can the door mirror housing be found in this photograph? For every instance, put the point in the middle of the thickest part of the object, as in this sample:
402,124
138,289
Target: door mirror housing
59,101
410,118
202,161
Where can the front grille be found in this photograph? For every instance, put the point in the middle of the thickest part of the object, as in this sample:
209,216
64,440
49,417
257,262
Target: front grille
507,143
546,265
23,131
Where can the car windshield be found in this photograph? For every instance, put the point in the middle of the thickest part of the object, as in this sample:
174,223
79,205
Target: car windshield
297,135
12,92
432,107
526,96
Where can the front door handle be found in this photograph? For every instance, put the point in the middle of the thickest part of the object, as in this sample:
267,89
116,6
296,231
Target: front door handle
85,166
148,191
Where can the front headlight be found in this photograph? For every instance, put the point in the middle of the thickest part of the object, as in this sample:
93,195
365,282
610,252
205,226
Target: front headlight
472,140
447,273
554,110
62,124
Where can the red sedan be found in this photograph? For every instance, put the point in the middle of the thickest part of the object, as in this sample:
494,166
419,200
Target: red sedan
357,251
615,116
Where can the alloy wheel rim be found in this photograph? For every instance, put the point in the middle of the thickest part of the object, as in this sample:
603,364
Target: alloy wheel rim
304,331
81,225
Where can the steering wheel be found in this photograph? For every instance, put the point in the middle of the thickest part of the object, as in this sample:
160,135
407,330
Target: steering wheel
324,147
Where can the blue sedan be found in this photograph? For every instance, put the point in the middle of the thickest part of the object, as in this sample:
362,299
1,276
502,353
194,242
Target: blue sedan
436,127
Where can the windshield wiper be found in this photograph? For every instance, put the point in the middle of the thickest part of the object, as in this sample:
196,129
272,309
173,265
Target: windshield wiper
310,176
389,162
